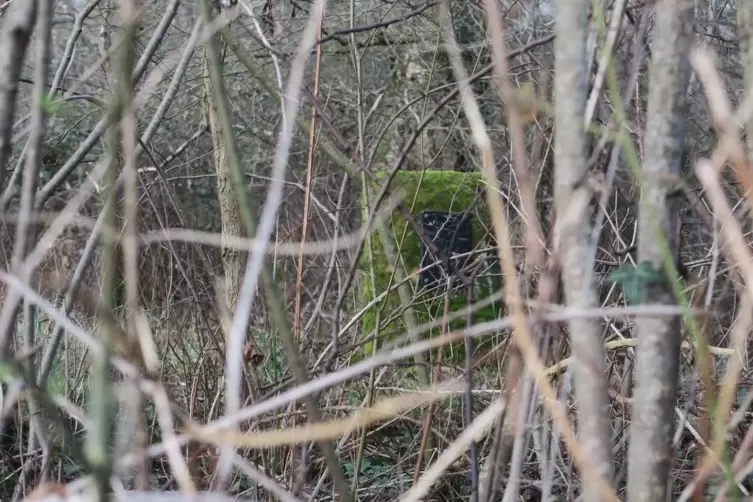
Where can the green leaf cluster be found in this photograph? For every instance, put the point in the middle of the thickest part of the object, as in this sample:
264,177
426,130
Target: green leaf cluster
52,105
635,280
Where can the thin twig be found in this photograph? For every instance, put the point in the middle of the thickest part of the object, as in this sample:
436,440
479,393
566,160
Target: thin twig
473,432
534,238
740,254
26,232
499,222
371,27
129,126
304,235
389,355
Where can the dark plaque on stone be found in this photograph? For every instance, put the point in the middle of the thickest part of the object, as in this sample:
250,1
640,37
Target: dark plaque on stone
451,235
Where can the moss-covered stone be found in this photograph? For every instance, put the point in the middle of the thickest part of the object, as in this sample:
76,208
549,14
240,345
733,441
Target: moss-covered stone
441,191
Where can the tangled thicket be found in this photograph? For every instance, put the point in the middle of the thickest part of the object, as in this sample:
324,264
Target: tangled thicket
218,260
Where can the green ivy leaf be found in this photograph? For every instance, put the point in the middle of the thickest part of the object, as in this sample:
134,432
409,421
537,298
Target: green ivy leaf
648,273
635,279
634,290
621,274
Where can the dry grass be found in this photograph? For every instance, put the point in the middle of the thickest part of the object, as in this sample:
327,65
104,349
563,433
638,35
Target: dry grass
126,369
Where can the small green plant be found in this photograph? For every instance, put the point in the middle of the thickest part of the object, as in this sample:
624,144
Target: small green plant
371,468
52,105
635,280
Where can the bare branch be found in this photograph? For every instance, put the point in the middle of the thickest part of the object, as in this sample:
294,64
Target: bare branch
18,24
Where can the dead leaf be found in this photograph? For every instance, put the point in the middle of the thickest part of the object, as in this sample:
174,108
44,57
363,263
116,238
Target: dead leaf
252,355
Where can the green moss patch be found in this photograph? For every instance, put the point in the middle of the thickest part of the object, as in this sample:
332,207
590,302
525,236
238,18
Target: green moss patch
422,191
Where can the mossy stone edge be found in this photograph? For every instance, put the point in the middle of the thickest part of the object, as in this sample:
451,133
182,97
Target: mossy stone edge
430,190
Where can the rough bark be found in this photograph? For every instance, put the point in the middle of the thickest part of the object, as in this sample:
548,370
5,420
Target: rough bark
26,231
572,197
745,31
233,262
14,39
657,361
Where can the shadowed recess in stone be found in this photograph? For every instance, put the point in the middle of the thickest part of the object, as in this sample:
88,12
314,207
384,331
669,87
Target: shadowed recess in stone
452,234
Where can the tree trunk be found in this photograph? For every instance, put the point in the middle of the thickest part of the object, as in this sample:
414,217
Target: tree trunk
572,195
18,23
233,262
657,360
745,31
